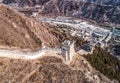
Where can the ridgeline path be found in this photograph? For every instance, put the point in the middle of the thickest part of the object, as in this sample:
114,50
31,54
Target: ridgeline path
28,55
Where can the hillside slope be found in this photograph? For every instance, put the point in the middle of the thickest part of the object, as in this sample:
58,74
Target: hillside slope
19,31
46,70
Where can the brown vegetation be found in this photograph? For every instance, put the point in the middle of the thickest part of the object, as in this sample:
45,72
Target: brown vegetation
19,31
47,69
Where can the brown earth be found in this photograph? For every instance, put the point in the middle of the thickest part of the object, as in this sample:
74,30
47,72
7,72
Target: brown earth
46,70
17,30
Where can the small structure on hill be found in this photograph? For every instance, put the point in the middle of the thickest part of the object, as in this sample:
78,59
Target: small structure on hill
68,50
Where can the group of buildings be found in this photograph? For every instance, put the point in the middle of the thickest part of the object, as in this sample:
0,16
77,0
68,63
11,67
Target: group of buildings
105,38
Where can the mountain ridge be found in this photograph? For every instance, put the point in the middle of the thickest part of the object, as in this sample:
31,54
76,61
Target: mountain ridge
101,11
